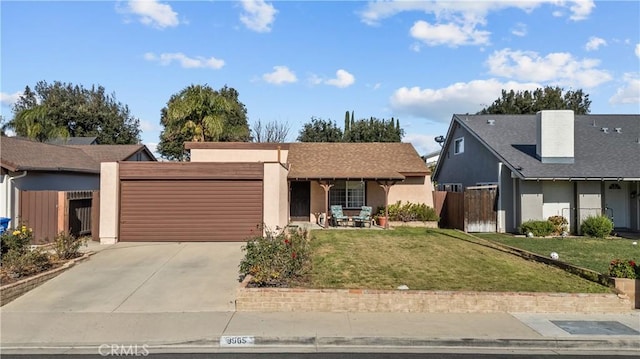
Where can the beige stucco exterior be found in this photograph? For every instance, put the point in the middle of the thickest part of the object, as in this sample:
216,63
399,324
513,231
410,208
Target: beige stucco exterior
109,202
275,196
238,155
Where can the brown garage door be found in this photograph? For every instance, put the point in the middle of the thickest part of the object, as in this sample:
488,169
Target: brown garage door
189,209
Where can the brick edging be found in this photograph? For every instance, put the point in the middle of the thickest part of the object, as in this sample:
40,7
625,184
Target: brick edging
366,300
14,290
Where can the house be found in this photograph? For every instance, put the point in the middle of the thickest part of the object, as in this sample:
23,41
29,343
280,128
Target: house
547,164
37,178
432,158
230,190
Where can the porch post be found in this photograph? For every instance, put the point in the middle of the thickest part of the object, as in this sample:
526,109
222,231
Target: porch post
386,186
326,186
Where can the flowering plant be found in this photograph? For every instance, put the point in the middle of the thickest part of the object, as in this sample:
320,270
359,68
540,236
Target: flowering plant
17,239
627,268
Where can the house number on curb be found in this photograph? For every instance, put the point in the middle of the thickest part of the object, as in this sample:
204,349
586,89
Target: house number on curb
236,341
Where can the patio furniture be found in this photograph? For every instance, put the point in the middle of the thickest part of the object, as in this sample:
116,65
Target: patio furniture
363,218
337,216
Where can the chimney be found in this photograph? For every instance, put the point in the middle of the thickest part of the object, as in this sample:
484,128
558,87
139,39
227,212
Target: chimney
555,136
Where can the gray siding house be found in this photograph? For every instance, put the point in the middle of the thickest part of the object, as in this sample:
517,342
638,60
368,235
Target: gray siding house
550,163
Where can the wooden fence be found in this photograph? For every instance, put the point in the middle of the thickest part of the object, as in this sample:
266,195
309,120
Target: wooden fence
473,210
51,212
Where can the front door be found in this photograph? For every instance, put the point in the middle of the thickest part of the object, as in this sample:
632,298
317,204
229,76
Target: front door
300,201
616,202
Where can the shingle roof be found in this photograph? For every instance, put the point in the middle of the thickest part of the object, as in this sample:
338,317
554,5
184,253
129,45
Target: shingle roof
354,161
71,141
19,155
596,154
112,153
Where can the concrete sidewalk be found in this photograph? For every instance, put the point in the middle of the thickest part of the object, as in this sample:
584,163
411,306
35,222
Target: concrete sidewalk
205,332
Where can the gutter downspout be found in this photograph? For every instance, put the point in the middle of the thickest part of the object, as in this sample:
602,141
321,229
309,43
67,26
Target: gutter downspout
11,192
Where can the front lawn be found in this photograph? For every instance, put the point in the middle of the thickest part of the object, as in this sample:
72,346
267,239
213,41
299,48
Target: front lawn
590,253
428,259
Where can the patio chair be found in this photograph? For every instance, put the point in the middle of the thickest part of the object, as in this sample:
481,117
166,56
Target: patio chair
364,217
337,216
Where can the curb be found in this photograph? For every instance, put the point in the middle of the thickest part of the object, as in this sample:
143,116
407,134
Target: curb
331,344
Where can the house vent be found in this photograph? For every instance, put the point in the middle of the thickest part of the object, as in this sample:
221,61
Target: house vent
594,123
491,122
605,129
618,129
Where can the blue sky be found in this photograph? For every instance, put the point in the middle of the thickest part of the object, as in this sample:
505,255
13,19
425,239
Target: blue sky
417,61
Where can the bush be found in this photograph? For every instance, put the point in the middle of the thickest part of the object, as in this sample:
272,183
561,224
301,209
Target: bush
624,269
19,264
276,260
411,212
597,226
67,246
538,228
17,240
559,224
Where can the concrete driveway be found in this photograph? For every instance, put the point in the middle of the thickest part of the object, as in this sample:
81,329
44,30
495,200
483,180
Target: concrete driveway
143,278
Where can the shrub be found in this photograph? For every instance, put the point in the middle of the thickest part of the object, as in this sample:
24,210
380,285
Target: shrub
17,239
624,269
559,224
597,226
67,246
276,260
411,212
19,264
538,228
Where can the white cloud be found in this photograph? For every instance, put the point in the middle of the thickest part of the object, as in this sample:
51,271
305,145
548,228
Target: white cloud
638,50
458,20
439,105
184,60
258,15
148,126
519,30
560,68
8,99
630,92
448,34
594,43
153,147
280,75
343,79
153,13
424,144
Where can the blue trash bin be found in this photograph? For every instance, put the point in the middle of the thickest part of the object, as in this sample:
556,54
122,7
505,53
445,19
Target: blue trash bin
4,224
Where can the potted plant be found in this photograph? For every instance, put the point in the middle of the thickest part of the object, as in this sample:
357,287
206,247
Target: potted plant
381,219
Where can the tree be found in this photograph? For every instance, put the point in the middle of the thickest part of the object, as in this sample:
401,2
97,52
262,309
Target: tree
64,109
270,132
319,130
548,98
375,130
199,113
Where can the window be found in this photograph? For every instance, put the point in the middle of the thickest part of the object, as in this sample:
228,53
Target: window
458,145
450,187
348,194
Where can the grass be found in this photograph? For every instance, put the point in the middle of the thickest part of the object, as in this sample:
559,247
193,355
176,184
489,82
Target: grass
428,259
590,253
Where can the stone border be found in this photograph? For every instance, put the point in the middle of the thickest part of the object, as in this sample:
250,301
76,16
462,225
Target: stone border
365,300
427,224
14,290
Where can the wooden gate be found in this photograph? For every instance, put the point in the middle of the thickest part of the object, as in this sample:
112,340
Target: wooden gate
449,207
39,211
480,209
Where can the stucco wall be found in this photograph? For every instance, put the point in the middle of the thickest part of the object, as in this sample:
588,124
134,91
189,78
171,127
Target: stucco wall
506,210
237,155
589,200
109,202
558,200
275,196
317,200
530,200
414,190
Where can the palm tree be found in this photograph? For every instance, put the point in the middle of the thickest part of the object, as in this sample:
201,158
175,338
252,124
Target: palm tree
34,124
201,112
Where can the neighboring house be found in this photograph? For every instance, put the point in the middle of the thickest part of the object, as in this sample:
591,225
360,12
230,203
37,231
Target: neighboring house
72,141
551,163
229,190
432,158
30,168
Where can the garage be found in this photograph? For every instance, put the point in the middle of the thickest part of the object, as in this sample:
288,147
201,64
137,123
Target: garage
190,202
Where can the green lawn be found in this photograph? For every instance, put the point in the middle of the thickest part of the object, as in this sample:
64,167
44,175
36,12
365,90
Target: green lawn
590,253
429,260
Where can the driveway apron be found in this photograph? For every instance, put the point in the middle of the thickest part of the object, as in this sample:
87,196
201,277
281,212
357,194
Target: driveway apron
143,278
